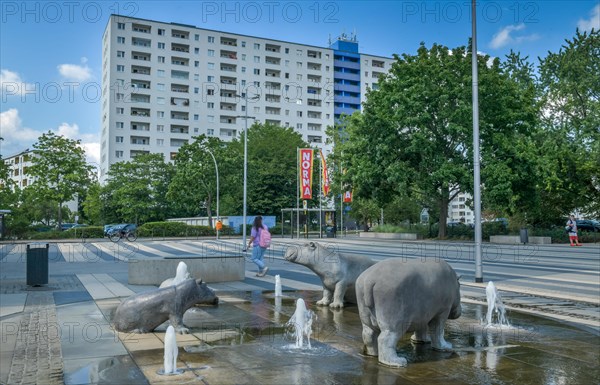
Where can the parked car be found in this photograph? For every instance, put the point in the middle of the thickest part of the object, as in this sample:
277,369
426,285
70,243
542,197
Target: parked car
66,226
588,225
119,227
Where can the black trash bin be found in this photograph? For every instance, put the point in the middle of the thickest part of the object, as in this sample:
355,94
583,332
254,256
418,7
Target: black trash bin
330,232
37,264
524,235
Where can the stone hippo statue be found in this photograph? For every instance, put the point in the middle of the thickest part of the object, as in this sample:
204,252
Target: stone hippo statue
143,312
181,275
396,296
337,271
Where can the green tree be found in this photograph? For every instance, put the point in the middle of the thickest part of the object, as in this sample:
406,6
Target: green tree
59,170
414,136
92,204
570,144
136,190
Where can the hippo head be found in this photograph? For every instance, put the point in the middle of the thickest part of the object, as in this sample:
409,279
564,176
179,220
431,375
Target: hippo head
310,254
456,309
203,294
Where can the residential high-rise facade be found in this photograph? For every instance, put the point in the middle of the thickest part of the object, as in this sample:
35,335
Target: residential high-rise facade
164,83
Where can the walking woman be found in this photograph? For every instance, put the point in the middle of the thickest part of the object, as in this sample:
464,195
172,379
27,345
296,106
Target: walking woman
257,250
572,230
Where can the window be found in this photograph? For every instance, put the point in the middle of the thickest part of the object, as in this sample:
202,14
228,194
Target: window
210,131
287,63
160,128
160,142
243,82
196,117
298,126
243,70
211,52
160,100
299,114
211,66
210,118
160,86
210,91
210,105
256,71
197,51
160,114
120,125
161,45
298,77
298,52
257,84
243,57
287,50
161,59
119,139
120,96
120,40
120,25
298,64
211,39
120,68
256,46
120,53
196,129
196,90
243,44
196,77
120,110
256,110
197,37
160,73
196,63
257,59
118,154
287,75
210,78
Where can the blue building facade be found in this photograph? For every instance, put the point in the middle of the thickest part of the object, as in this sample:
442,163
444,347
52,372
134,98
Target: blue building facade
346,76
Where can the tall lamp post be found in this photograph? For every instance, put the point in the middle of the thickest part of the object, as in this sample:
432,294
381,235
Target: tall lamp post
245,117
217,172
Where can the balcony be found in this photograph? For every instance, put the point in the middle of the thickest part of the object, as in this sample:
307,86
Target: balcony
141,28
273,60
180,75
178,142
228,55
272,73
314,127
140,84
180,102
178,129
140,98
180,34
228,107
228,67
313,78
272,86
227,93
134,153
180,47
228,80
139,42
273,48
313,54
314,139
313,115
376,74
272,111
229,41
179,115
140,70
141,112
140,126
314,103
180,61
142,140
181,88
313,66
273,98
273,122
377,63
228,132
227,119
143,56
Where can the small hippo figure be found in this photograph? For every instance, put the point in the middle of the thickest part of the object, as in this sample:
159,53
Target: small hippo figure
143,312
395,296
338,272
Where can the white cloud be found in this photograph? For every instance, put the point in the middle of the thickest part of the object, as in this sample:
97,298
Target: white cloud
11,84
592,22
505,36
75,72
18,138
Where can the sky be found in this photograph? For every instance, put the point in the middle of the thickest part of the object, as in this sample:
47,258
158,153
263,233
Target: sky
51,55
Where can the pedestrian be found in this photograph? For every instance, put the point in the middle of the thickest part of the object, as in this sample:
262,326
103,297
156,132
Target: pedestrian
257,250
572,230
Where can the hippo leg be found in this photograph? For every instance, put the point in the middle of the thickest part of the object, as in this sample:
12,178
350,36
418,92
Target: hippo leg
421,336
326,300
338,295
436,327
177,322
369,336
387,341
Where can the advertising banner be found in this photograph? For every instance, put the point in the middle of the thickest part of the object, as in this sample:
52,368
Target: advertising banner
306,166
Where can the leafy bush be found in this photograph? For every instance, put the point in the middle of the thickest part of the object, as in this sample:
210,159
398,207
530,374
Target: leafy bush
175,229
75,233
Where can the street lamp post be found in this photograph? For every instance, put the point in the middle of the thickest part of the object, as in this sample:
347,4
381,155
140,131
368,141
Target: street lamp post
217,172
245,117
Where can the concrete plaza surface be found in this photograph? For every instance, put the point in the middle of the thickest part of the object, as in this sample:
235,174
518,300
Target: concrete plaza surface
60,332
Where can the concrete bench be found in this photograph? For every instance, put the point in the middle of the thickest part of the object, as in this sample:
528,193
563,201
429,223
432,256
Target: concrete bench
516,239
153,271
403,236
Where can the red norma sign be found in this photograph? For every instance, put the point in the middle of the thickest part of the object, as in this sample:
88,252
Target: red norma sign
306,165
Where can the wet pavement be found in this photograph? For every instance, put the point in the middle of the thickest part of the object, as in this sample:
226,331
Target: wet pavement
244,340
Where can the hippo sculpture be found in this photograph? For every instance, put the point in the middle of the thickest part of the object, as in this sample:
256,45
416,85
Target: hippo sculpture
396,296
337,271
143,312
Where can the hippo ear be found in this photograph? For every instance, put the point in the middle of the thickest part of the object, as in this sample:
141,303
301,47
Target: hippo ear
199,281
458,277
313,245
